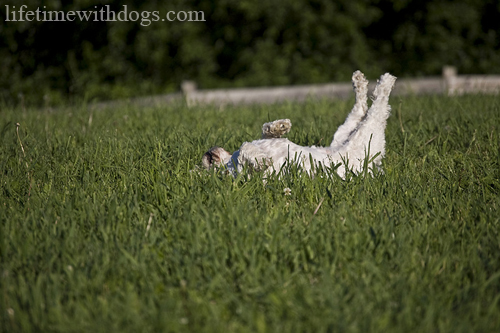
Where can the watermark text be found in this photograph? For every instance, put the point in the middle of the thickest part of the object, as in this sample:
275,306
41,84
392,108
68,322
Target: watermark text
21,14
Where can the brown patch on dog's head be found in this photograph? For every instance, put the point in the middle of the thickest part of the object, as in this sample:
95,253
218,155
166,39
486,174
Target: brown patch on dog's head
214,157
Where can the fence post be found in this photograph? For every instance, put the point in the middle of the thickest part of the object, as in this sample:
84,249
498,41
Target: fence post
188,89
450,79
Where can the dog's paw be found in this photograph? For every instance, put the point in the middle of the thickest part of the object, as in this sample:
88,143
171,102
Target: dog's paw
359,80
276,129
384,85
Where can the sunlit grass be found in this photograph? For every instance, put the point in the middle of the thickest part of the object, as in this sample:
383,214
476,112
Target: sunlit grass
108,225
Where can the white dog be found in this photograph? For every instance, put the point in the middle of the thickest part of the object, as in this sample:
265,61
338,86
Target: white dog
361,137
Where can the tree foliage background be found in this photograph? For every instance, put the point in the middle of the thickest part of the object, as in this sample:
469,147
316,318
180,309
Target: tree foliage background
241,43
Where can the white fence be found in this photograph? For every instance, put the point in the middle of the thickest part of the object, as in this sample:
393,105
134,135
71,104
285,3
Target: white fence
449,83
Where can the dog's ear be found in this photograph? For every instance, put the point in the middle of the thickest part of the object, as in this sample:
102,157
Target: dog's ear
215,156
207,160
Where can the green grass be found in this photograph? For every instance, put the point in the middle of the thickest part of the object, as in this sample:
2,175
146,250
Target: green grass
104,227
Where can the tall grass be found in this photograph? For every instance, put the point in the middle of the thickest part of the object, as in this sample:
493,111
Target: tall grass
108,225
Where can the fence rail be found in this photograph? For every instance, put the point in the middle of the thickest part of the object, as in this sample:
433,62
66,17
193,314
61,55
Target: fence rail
449,83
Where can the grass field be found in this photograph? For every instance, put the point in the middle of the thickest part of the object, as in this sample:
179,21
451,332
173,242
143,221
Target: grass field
105,228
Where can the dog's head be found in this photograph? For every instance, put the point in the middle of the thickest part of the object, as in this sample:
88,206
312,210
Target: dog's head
215,157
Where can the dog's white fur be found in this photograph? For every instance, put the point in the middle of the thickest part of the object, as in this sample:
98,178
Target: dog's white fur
361,136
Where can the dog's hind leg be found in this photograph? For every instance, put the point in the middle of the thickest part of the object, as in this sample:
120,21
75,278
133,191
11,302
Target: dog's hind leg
370,134
358,112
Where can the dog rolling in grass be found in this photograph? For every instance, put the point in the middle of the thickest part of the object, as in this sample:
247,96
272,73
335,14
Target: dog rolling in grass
360,139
